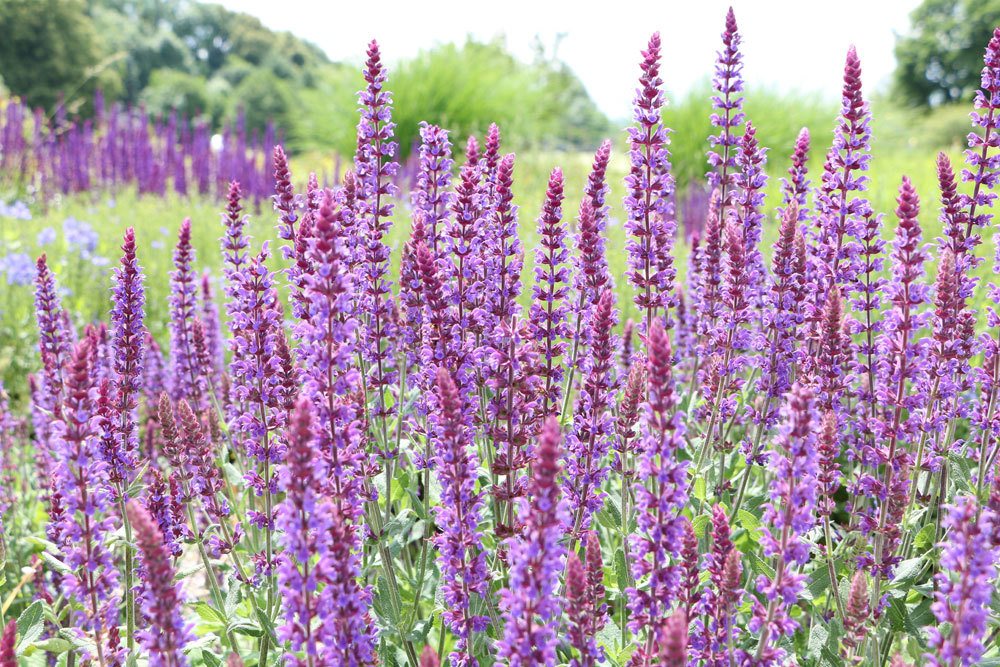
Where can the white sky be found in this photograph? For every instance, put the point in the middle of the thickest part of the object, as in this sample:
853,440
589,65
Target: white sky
788,44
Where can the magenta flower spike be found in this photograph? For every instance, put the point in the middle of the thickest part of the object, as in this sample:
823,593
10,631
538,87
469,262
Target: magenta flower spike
462,558
375,169
964,585
530,601
789,515
661,493
186,381
650,222
128,339
548,314
590,438
432,195
160,598
727,112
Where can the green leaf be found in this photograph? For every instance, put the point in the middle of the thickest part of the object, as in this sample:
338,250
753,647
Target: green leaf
387,610
135,489
30,625
53,645
621,570
267,625
209,613
907,572
700,525
925,538
210,659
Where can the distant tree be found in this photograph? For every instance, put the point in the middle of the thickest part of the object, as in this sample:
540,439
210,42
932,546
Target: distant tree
50,49
170,89
263,98
941,59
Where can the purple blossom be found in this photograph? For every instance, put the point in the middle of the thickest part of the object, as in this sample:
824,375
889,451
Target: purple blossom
86,524
965,585
790,514
548,314
160,598
661,494
530,602
727,114
432,196
461,558
185,379
650,222
375,168
128,337
590,438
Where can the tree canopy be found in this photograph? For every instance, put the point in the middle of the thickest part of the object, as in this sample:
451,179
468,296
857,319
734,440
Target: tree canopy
941,58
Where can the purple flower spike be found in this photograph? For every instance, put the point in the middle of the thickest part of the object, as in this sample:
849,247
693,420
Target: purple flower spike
186,380
983,169
85,525
160,598
530,602
790,514
432,196
650,220
585,605
462,559
965,585
593,430
548,314
7,644
797,186
660,496
727,114
375,169
128,338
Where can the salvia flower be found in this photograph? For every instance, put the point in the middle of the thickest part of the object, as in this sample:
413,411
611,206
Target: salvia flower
128,337
649,186
790,514
432,195
841,203
983,169
530,601
727,110
661,493
585,605
92,583
185,379
375,168
161,599
548,314
7,644
590,438
462,558
965,585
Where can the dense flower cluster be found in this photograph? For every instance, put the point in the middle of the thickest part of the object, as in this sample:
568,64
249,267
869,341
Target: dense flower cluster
472,456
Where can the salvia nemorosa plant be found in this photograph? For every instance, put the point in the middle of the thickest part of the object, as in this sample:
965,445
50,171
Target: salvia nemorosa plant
477,458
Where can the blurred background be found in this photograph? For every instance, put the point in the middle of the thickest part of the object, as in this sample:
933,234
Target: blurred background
553,76
117,113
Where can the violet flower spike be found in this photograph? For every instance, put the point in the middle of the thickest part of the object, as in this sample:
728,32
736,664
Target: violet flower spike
964,585
160,599
549,310
727,112
790,514
461,558
185,379
530,604
649,187
661,493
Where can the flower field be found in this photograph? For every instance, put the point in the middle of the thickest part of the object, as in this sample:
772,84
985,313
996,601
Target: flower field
393,420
